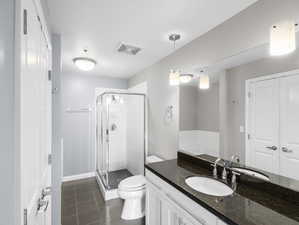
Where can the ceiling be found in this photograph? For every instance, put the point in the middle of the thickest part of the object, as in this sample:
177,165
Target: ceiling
100,26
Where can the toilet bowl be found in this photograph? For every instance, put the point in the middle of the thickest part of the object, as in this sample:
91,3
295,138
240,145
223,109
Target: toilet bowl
132,191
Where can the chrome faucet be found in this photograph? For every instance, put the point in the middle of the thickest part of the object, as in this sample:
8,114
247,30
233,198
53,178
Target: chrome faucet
215,167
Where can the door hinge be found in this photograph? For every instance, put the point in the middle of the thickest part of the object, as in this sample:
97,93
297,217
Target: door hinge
25,216
49,75
25,22
40,22
249,94
49,159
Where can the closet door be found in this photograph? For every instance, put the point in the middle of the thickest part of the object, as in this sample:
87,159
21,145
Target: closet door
264,125
289,126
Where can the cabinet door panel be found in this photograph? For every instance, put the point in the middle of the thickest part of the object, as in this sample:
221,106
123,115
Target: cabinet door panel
153,206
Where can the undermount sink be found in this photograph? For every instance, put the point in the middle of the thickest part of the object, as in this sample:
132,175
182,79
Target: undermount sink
251,173
209,186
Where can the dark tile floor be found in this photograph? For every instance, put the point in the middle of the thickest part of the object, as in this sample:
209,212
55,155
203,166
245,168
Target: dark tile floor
82,204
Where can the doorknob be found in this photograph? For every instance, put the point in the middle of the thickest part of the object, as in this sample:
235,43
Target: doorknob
286,150
274,148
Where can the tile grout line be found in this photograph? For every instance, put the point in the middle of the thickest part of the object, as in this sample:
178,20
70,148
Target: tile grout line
76,205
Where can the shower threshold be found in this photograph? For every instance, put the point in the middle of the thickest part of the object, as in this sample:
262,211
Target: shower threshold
115,177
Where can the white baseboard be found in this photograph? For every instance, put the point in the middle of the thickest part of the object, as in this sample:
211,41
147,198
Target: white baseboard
78,176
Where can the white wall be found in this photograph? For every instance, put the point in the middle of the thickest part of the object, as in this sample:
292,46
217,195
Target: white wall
248,29
78,91
56,130
199,142
8,193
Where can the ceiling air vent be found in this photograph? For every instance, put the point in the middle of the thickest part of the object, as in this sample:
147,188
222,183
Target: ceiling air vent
128,49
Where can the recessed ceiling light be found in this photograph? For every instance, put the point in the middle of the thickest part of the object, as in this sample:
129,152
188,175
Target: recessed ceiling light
84,63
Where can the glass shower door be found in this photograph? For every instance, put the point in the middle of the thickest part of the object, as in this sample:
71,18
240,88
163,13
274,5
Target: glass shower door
103,139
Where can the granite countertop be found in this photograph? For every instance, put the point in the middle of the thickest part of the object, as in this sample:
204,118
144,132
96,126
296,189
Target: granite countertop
255,202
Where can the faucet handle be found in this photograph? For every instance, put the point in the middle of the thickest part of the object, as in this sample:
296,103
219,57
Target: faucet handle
214,170
234,180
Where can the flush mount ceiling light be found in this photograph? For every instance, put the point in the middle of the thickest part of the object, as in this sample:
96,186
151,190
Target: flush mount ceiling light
283,38
85,63
174,75
185,78
204,81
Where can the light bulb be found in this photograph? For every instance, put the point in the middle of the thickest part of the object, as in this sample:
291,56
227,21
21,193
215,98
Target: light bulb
174,78
204,82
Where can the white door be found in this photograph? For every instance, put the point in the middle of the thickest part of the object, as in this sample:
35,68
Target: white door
35,119
263,125
289,126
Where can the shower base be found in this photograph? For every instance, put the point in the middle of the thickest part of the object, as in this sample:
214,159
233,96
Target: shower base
115,177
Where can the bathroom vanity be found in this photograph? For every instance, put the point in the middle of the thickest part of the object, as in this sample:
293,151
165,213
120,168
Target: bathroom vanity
255,201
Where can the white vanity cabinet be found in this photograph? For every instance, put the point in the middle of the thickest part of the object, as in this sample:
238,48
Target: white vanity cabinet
165,205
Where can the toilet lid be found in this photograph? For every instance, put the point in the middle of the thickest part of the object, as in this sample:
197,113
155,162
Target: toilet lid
133,182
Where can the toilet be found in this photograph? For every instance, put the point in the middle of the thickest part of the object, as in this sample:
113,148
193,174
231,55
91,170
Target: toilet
132,191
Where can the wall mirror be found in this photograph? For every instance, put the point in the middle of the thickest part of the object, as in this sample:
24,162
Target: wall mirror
251,110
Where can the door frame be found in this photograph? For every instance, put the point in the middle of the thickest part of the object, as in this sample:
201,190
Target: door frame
248,104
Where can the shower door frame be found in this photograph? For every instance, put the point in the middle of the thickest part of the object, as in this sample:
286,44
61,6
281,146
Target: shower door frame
106,183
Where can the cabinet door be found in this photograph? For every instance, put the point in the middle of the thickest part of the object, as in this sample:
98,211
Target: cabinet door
174,214
289,126
153,206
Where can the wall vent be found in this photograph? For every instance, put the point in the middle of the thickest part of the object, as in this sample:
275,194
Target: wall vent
128,49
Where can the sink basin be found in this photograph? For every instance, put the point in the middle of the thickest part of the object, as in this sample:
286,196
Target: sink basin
209,186
251,173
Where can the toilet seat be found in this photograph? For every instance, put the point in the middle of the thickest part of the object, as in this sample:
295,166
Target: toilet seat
133,183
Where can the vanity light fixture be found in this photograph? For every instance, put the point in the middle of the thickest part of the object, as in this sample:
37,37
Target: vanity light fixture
174,78
85,63
283,38
174,75
185,78
204,81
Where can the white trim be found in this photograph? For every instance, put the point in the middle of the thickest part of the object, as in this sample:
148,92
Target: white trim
272,76
247,104
78,176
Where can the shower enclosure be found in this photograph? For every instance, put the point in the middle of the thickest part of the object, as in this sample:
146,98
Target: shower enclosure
120,137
